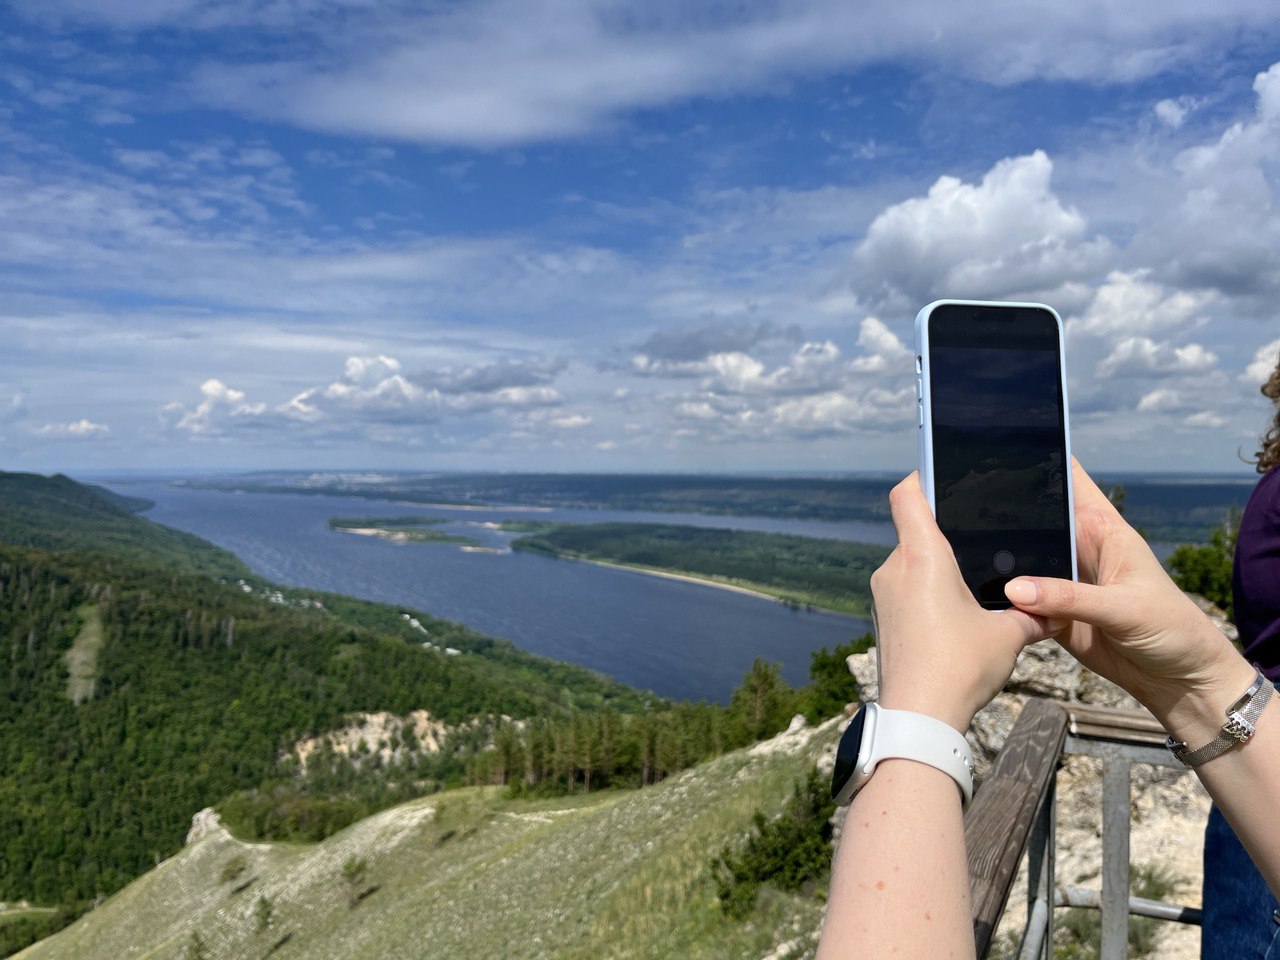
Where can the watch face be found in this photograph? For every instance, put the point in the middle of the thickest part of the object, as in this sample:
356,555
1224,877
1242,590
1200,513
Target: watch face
847,755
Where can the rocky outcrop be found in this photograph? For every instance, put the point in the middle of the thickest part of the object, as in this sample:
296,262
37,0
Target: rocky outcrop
202,824
390,738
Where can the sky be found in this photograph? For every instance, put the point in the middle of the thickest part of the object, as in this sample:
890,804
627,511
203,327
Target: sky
610,236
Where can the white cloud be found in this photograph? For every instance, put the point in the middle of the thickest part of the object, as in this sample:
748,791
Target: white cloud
497,72
372,395
1263,365
1162,400
1173,112
573,421
883,350
1143,357
82,429
1206,419
1215,224
221,405
1132,303
1003,236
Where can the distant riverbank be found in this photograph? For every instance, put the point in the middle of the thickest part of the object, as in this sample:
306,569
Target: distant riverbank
800,572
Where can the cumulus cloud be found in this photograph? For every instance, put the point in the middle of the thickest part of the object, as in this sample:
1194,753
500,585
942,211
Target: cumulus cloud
1143,357
1162,400
1007,234
882,350
1219,229
221,405
814,392
373,395
82,429
1264,363
1132,303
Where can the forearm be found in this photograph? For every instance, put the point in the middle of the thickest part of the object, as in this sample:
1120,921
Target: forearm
1245,781
900,883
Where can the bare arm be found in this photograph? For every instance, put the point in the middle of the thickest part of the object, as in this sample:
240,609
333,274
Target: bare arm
900,884
1245,781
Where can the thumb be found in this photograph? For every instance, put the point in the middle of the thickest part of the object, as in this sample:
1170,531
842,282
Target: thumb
1060,600
1023,629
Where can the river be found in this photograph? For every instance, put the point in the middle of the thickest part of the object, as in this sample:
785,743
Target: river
680,640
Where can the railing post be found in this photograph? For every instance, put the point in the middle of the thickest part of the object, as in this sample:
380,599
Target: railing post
1037,938
1115,858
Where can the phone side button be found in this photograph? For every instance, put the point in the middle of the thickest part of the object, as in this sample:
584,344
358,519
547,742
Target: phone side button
920,413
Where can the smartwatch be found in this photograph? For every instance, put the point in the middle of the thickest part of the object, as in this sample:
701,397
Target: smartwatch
876,734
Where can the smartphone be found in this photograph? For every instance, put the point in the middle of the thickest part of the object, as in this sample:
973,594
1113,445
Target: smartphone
995,449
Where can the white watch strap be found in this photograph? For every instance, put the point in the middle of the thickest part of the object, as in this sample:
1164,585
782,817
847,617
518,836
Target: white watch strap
906,735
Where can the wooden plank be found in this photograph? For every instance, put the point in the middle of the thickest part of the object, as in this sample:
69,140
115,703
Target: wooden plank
998,823
1110,723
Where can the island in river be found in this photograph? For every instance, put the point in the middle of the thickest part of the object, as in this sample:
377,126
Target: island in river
398,529
795,570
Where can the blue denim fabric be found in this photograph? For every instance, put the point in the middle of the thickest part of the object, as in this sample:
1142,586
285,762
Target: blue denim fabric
1239,910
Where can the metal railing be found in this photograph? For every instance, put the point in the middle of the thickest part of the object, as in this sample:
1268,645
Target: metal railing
1014,810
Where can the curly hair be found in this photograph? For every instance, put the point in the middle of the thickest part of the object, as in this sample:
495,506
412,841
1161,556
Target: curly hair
1269,454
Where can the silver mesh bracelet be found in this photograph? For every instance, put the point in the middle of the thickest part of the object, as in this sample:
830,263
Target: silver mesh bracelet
1241,725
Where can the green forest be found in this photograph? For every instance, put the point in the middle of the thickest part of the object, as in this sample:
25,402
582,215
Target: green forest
57,513
834,574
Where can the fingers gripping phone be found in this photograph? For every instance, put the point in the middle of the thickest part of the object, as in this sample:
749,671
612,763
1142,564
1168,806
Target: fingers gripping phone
995,451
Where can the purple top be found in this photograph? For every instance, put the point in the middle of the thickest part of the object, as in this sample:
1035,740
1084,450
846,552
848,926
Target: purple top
1255,581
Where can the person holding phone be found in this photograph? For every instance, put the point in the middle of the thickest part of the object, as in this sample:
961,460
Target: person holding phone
1240,911
900,881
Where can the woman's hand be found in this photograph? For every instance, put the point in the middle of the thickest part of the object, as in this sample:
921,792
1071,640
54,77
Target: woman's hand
940,653
1134,626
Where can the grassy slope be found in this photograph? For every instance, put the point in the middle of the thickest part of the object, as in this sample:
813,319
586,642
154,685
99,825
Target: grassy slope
470,874
82,658
57,513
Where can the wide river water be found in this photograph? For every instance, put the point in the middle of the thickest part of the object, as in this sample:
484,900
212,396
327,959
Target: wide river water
678,639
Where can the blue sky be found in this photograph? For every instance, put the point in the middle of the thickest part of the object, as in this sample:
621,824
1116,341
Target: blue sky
586,234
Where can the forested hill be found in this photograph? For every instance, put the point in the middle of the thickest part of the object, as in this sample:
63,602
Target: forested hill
57,513
135,689
192,688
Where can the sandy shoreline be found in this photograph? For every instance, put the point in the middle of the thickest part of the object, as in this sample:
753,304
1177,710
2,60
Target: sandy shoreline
689,578
395,536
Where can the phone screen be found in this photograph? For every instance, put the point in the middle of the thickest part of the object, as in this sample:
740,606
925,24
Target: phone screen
999,444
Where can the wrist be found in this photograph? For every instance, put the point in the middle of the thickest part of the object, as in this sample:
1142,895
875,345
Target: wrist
1194,710
934,706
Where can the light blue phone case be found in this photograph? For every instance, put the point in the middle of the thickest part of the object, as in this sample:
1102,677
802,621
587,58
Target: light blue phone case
924,418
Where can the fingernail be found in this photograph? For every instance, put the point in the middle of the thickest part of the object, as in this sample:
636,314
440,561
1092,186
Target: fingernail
1057,626
1021,591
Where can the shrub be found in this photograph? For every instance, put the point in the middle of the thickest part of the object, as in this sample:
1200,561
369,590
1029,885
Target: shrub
234,868
789,852
353,874
831,684
1206,569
